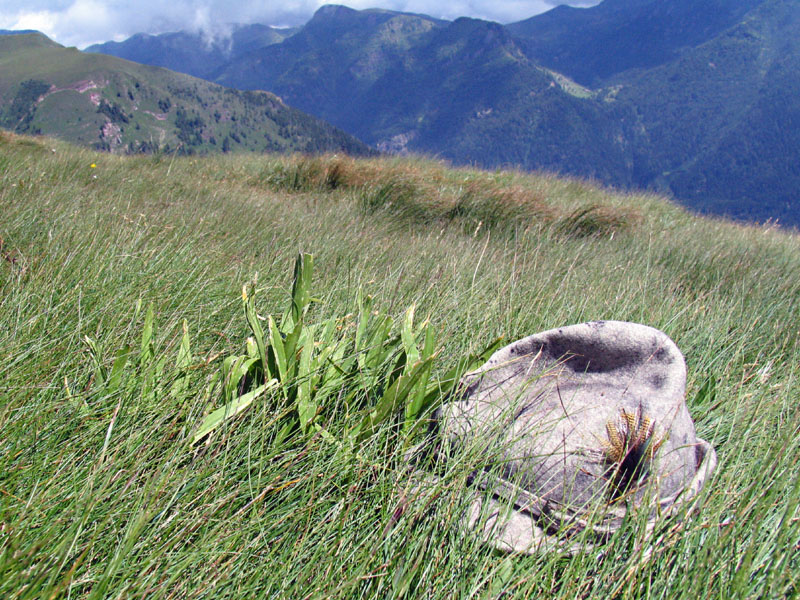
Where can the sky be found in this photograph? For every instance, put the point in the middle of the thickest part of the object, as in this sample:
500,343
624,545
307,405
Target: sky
84,22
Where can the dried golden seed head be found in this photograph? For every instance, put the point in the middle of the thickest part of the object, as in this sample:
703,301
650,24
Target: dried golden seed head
631,433
630,448
615,446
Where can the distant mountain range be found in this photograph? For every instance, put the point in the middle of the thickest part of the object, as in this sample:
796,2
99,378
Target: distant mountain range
591,45
194,53
464,91
694,98
719,126
116,105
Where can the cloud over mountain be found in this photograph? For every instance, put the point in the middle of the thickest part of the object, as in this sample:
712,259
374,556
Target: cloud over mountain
83,22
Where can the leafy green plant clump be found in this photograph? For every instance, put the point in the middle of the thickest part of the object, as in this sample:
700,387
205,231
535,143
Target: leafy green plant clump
316,369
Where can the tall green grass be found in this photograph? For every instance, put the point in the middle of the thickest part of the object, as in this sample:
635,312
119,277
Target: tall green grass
121,299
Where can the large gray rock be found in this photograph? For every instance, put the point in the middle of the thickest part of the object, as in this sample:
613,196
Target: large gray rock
575,426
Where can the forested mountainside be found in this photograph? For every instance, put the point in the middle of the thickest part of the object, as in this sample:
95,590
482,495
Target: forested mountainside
113,104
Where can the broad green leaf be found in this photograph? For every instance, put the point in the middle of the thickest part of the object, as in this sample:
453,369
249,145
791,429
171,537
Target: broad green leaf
408,337
233,369
184,352
301,288
443,386
287,322
364,312
114,378
278,351
393,398
251,315
429,345
290,344
417,400
381,344
320,368
306,407
328,335
215,419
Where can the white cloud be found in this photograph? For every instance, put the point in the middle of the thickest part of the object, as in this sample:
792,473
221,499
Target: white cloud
80,23
40,20
83,22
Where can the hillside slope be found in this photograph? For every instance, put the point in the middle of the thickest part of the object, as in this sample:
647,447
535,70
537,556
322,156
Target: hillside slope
123,325
507,111
113,104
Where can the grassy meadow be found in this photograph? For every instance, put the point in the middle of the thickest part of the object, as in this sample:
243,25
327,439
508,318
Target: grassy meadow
141,294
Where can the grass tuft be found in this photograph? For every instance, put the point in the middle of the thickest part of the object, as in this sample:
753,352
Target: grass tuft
595,220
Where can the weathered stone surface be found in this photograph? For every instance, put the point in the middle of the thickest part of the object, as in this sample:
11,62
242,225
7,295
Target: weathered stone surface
578,424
